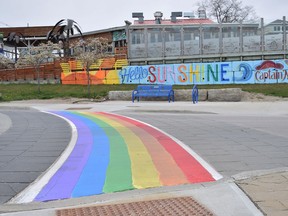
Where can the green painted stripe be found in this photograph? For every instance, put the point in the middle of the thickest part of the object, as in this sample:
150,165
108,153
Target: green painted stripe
118,174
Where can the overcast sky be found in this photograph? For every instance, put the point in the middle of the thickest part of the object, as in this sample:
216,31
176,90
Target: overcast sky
95,15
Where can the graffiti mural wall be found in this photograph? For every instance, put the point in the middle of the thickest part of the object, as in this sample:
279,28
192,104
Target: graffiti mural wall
247,72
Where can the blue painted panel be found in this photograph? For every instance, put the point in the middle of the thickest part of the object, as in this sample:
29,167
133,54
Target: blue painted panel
238,72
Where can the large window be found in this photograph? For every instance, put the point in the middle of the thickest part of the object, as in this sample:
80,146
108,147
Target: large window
211,40
137,36
191,34
231,39
232,31
191,41
251,39
154,35
172,41
155,42
137,46
172,34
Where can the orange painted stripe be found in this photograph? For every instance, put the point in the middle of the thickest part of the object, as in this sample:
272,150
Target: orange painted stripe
193,170
169,172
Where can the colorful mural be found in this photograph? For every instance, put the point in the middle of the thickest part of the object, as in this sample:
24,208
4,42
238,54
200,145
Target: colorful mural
105,71
116,153
185,74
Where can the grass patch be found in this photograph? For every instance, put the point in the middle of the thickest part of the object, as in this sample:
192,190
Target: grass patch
11,92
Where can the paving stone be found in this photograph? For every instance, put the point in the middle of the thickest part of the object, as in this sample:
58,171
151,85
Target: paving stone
4,199
268,191
4,152
244,143
273,207
41,153
6,190
284,202
24,151
16,177
25,167
18,187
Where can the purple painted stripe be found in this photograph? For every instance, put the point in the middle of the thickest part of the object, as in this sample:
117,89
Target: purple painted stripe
63,182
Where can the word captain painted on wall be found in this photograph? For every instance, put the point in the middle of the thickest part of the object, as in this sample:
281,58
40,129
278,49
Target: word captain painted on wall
241,72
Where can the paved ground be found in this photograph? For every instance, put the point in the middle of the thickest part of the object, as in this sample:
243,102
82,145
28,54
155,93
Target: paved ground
35,141
246,142
232,144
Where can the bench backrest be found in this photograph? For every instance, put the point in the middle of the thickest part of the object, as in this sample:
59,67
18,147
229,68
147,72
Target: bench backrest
153,91
154,87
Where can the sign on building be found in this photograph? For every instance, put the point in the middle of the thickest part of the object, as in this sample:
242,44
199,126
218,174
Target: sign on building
1,43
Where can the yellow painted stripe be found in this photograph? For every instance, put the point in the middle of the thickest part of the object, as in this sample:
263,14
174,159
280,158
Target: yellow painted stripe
169,172
144,173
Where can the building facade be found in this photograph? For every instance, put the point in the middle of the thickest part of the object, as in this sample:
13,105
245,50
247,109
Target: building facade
184,50
196,40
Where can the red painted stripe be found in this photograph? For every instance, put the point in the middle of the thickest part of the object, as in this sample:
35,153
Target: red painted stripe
169,172
193,170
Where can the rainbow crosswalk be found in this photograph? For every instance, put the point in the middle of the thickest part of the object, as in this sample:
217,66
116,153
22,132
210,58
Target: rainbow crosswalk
115,153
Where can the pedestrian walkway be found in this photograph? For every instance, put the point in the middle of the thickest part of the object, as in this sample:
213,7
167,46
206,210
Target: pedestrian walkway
199,126
114,153
30,143
269,191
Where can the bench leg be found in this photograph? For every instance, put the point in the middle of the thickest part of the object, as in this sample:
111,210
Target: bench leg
133,99
171,98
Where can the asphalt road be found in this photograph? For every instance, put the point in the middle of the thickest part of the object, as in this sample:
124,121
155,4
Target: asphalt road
231,137
30,142
230,143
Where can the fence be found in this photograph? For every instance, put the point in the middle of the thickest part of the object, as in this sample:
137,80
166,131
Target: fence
47,72
207,42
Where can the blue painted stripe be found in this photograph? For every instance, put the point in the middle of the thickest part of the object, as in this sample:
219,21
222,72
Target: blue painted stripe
93,176
64,180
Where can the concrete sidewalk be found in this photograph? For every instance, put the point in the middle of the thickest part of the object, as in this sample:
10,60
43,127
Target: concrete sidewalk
267,189
249,187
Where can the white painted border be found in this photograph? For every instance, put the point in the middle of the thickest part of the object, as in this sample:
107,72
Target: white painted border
29,193
207,166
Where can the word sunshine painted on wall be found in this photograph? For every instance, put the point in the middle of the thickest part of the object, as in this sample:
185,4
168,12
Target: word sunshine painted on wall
193,73
206,73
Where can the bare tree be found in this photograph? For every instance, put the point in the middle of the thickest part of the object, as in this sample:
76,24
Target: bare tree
6,63
88,52
228,11
36,56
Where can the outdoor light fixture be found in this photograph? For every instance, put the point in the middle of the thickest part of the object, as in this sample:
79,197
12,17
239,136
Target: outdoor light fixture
127,22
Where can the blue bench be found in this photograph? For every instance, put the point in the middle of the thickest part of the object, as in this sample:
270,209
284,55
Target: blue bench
153,91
